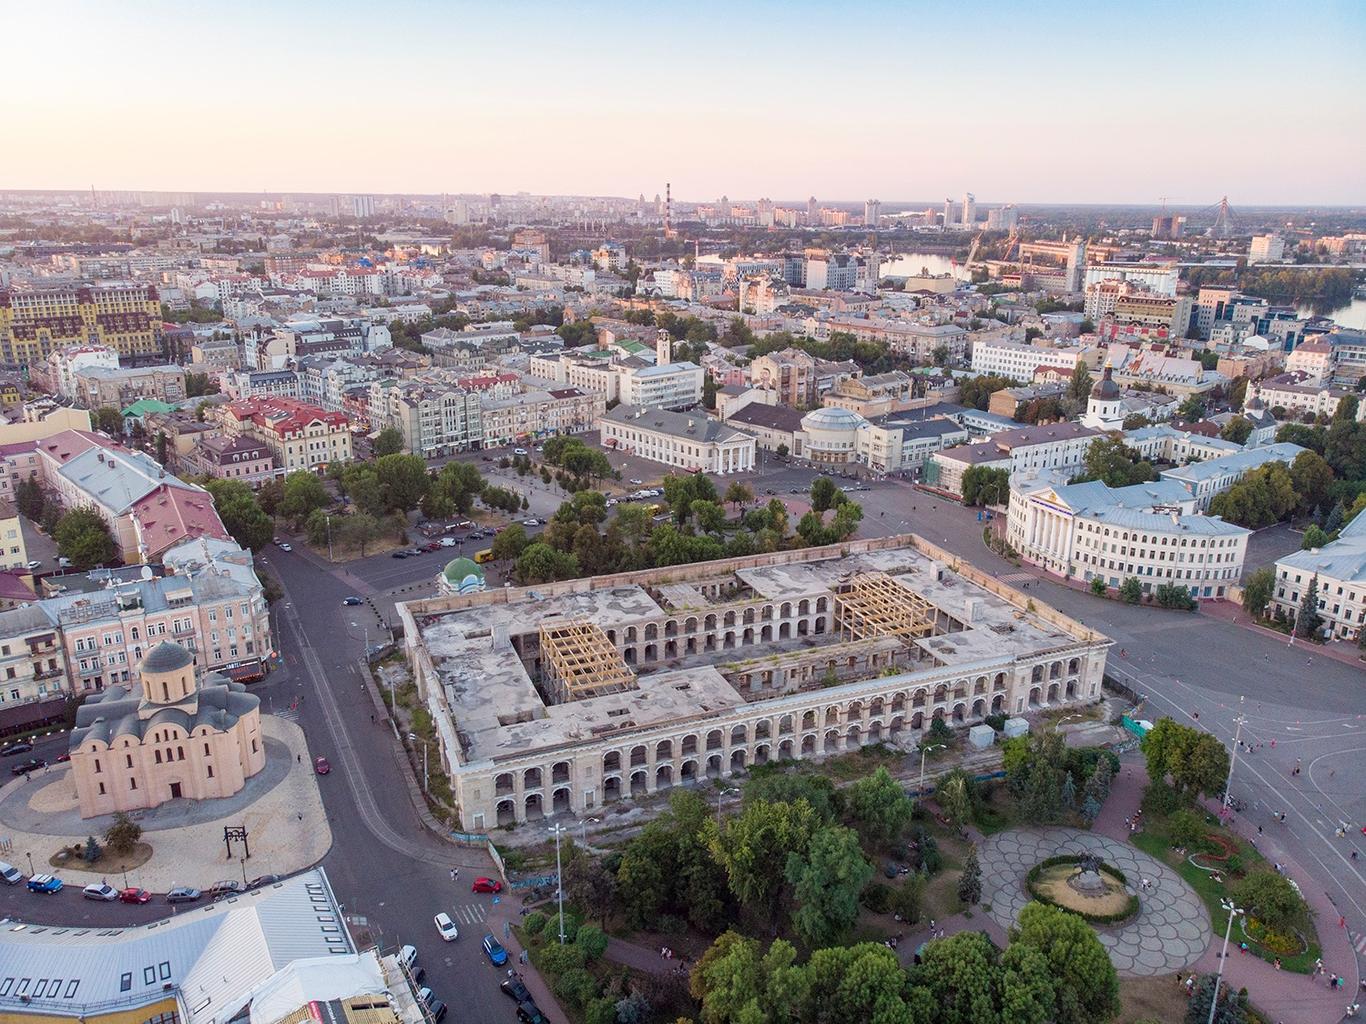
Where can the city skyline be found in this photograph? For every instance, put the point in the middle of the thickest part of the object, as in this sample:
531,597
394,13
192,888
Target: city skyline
607,100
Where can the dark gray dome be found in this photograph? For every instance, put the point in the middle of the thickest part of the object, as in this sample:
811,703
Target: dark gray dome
166,657
1107,388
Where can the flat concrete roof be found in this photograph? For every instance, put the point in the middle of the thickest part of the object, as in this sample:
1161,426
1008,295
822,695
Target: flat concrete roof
499,712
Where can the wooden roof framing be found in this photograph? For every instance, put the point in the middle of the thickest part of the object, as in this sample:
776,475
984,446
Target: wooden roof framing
580,661
877,605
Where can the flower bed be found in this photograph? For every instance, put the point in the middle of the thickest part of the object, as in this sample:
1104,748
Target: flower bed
1036,890
1279,943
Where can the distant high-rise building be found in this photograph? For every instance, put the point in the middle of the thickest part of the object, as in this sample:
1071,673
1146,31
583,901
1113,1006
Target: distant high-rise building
872,210
948,213
1168,226
1003,218
457,212
969,209
813,211
362,207
1266,249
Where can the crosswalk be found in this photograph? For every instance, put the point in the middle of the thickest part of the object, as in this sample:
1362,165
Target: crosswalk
1358,942
471,913
1016,577
289,714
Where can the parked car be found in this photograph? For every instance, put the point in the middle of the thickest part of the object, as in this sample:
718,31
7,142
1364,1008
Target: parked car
407,956
286,547
425,995
45,884
448,542
261,880
9,874
515,990
519,451
227,887
34,564
321,766
183,894
63,757
446,927
438,1010
637,482
398,554
31,765
529,1013
135,895
493,949
14,749
432,546
531,522
352,601
486,885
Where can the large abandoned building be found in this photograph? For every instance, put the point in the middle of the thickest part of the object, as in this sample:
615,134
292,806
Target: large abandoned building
562,697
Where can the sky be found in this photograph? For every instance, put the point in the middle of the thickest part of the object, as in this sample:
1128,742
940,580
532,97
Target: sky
1092,101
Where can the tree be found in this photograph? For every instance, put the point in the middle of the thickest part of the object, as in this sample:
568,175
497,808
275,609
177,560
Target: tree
960,975
92,850
789,787
970,881
1313,438
389,442
842,984
591,886
123,833
1347,409
753,848
1229,1011
1192,408
736,984
270,496
242,515
1131,590
1086,985
83,536
1312,478
1257,589
738,494
540,563
709,516
452,491
1345,449
1314,538
403,479
303,492
782,451
1309,621
1196,762
109,420
983,485
878,808
510,542
359,530
1080,388
824,494
1115,464
826,882
954,796
29,499
1098,586
1270,898
1237,430
1027,994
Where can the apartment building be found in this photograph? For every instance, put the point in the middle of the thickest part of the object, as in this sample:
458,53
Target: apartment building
1203,480
262,384
34,323
536,414
1018,360
32,656
1339,569
224,457
918,341
61,366
790,372
1056,446
1298,394
435,415
300,435
1146,531
669,386
118,387
694,443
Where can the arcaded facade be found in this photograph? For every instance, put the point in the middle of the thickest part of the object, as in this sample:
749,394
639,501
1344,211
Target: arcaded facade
563,697
170,736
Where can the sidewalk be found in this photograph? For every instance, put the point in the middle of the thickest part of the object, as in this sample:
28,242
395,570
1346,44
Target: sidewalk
503,917
1232,613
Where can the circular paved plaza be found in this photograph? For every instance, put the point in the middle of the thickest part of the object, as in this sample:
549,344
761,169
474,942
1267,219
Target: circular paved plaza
1170,931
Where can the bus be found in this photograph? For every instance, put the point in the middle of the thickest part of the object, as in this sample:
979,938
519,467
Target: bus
486,555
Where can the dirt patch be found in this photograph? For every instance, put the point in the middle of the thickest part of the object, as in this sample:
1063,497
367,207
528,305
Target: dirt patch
1159,998
109,863
1052,882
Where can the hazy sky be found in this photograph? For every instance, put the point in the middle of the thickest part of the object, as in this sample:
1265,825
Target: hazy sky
1028,101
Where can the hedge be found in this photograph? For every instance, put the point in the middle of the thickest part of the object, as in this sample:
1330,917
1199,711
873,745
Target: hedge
1049,862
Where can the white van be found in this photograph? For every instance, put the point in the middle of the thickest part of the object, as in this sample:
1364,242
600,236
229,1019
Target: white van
448,542
10,873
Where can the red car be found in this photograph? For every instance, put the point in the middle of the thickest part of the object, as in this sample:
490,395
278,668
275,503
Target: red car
135,895
486,885
321,766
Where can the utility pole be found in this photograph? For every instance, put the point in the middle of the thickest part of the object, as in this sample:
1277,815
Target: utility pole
558,830
720,798
329,537
1233,758
920,790
1223,957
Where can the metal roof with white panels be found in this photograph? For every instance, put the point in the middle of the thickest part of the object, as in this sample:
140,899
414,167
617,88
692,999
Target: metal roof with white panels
211,958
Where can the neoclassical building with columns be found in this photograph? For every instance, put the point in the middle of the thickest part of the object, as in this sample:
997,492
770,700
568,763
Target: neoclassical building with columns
563,697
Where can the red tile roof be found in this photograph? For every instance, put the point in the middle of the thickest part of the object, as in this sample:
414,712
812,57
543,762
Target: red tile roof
170,515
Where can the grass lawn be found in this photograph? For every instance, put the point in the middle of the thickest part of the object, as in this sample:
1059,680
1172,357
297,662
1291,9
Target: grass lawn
1152,841
862,762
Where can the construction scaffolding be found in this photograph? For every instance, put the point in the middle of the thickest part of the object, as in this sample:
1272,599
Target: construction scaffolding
874,605
578,661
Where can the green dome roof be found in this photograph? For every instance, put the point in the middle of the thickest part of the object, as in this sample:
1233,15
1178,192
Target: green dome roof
461,568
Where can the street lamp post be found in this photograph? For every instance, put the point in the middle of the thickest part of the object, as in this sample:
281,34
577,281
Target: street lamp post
1214,998
583,828
1233,758
920,790
30,864
557,830
329,537
720,798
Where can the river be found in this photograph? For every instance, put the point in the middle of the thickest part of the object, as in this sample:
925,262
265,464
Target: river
1351,315
911,264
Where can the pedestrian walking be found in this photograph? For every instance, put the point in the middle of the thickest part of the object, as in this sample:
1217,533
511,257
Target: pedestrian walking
299,758
1259,830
